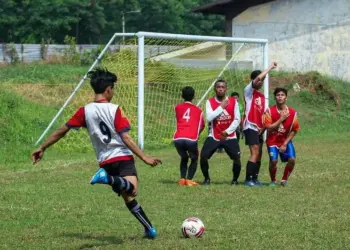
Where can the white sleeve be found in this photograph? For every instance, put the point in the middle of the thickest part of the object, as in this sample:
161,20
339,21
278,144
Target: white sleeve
234,125
248,90
212,114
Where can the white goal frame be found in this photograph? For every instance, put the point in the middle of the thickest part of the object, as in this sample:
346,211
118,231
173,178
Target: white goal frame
141,71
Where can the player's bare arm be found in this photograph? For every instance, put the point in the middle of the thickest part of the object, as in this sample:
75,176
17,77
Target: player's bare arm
290,137
57,135
129,142
262,75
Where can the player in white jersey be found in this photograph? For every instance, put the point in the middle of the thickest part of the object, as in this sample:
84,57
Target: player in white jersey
108,130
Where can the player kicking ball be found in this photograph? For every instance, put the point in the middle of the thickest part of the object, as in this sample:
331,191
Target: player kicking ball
224,119
108,129
282,125
189,124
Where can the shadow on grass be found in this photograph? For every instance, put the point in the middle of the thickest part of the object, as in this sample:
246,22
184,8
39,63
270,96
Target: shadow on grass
104,239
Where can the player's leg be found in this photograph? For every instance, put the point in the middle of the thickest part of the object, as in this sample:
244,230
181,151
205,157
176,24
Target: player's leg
232,149
181,148
253,141
208,149
136,209
288,156
256,177
273,155
192,148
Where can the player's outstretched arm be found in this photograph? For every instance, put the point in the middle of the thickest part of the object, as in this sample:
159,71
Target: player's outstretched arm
57,135
129,142
264,73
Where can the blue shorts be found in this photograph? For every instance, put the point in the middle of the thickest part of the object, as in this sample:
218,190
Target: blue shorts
289,153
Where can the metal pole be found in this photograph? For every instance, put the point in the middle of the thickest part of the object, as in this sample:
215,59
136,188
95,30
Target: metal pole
123,26
266,81
141,92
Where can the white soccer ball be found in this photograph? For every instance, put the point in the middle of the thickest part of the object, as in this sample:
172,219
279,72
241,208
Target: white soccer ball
192,227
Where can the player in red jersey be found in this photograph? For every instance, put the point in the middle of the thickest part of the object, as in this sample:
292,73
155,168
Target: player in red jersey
189,124
108,129
253,124
224,118
282,125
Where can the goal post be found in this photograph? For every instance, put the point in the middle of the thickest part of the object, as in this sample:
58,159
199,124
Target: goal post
152,68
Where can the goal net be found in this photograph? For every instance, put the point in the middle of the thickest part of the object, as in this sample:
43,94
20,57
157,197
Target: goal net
152,68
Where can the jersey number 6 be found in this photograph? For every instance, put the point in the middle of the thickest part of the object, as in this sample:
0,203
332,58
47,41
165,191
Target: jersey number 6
105,131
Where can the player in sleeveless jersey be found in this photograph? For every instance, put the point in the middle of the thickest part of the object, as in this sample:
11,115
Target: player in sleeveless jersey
189,124
223,116
282,125
108,130
253,123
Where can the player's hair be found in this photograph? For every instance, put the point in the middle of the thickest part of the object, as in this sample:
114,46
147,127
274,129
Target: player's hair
254,74
100,79
277,90
220,80
188,93
234,94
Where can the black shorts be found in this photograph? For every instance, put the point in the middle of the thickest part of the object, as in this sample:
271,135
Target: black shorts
230,146
252,137
121,168
187,148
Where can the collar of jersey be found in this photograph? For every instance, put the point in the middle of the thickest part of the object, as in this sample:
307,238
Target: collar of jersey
101,100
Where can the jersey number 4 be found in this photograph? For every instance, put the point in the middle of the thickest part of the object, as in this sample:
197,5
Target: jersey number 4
105,131
186,116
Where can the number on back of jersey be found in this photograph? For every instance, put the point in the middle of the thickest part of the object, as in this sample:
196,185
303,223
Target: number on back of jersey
186,115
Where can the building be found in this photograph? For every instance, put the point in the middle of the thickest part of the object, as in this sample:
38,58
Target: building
304,35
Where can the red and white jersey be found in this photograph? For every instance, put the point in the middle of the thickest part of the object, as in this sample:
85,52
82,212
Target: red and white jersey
104,122
254,108
278,136
189,121
220,119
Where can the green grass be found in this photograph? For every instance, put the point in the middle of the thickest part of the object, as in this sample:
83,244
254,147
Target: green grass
52,206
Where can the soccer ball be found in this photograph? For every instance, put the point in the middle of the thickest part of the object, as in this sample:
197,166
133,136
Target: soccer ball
192,227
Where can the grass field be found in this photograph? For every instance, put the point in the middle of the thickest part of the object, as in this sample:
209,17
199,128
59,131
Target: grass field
52,205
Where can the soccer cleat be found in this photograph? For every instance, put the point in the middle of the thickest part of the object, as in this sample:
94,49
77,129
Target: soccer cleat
192,183
249,183
101,176
283,183
150,233
272,184
206,182
234,182
182,182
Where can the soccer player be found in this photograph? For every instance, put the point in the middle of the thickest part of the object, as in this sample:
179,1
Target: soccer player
189,124
224,117
108,129
282,125
253,123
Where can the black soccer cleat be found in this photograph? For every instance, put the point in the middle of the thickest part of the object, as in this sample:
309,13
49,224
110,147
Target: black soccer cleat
206,182
234,182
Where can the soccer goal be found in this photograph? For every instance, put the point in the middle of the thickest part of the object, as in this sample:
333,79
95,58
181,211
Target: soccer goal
152,68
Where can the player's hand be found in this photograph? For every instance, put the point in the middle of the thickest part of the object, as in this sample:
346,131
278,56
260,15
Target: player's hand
283,148
284,115
223,135
224,103
37,155
273,65
152,161
261,131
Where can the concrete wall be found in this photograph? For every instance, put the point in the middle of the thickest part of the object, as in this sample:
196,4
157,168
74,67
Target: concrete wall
304,35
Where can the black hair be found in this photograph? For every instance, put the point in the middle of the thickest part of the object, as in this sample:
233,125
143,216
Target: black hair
188,93
277,90
100,79
220,80
234,94
254,74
